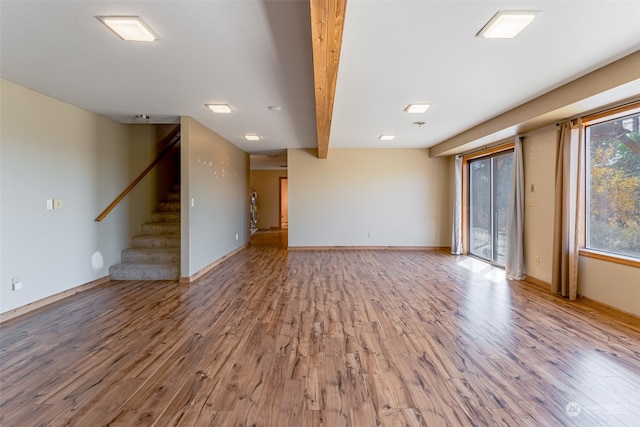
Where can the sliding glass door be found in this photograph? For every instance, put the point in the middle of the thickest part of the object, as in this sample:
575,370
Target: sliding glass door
489,189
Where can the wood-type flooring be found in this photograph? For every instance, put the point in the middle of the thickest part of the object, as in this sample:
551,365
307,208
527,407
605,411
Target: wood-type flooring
272,337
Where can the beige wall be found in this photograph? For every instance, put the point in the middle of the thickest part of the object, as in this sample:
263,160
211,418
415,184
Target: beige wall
613,284
50,149
368,197
142,152
215,197
267,185
539,157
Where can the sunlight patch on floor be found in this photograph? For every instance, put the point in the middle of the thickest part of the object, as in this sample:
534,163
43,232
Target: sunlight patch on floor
491,273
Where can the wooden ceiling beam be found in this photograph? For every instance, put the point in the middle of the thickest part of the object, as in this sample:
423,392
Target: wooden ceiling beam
327,23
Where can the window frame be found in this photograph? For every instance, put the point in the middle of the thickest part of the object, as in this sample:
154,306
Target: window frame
591,120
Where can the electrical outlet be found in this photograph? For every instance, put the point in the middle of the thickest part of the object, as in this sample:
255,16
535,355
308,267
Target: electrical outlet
370,235
237,236
57,203
16,284
537,260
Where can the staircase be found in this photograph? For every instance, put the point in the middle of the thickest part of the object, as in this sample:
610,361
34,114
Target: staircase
155,254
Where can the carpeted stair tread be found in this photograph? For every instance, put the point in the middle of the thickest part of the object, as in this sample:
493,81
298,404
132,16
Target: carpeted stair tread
173,197
169,206
156,241
165,216
151,255
144,271
161,228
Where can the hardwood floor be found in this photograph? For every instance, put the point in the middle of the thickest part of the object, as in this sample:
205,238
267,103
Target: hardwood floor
321,338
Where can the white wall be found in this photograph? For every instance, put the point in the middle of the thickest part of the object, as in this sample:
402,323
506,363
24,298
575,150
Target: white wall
613,284
215,175
400,196
54,150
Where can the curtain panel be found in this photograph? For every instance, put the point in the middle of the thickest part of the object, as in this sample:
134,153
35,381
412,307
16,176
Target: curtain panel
568,209
514,259
456,229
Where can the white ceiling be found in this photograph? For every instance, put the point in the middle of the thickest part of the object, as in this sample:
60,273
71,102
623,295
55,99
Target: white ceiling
253,54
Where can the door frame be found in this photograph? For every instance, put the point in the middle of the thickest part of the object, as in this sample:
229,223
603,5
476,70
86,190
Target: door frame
282,178
466,159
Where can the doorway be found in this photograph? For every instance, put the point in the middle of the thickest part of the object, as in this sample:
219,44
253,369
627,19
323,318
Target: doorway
284,203
489,187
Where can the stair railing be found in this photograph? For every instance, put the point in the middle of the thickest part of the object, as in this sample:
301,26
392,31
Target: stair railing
172,139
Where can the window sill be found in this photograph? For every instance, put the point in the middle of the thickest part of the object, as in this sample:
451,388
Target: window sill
618,259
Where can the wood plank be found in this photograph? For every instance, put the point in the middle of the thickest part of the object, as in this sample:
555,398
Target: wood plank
327,23
321,338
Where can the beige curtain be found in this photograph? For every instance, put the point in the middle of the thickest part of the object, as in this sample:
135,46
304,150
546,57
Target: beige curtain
568,210
456,229
514,259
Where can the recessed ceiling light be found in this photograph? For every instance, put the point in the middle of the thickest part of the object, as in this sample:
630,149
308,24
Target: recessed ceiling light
386,137
219,108
506,24
130,28
416,108
252,137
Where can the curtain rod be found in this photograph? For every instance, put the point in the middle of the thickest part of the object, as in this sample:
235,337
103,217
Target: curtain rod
490,146
611,107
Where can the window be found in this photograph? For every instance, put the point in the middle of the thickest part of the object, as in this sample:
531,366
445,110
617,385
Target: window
613,185
489,188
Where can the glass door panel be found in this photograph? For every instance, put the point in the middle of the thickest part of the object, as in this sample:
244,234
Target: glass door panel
501,194
480,208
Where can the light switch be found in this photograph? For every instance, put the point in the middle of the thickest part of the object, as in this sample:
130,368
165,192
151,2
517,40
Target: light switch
49,204
530,201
